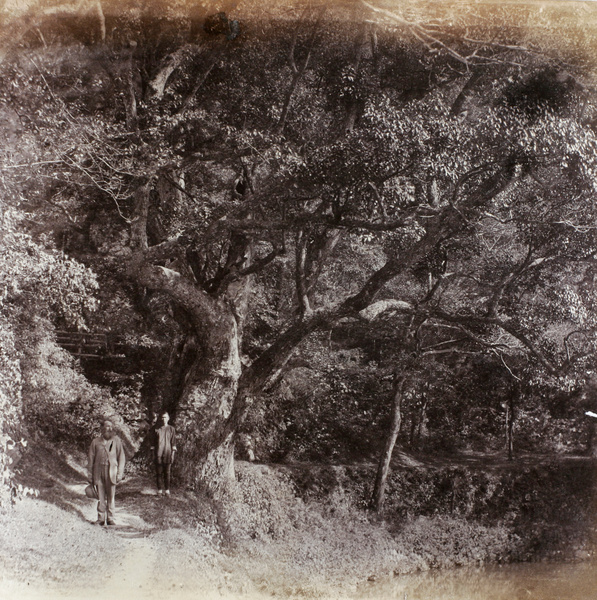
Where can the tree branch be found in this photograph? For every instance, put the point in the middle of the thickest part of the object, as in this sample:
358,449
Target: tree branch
297,73
200,306
169,65
508,326
300,275
254,267
255,376
200,81
170,248
248,225
506,281
440,226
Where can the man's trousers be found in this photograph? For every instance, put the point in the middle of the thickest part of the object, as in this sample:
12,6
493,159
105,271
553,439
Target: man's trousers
106,492
163,471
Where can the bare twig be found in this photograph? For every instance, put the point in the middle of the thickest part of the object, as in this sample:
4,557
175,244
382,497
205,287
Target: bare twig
419,32
506,281
501,357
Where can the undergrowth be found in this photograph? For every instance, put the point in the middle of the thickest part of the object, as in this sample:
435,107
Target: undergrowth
333,544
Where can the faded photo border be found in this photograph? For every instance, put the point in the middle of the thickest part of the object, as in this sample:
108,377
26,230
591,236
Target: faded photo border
533,56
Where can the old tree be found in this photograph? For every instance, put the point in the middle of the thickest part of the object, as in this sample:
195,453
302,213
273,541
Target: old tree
324,166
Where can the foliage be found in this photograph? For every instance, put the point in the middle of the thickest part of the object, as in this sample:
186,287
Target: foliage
58,401
35,283
287,204
446,542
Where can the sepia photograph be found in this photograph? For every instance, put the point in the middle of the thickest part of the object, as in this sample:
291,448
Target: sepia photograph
298,299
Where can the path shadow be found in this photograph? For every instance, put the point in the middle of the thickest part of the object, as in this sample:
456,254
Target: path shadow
57,478
61,480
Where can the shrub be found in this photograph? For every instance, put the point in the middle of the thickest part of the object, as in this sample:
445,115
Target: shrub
330,541
58,401
443,541
314,544
261,505
10,417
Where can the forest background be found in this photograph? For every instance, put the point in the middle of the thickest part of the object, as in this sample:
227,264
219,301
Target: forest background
311,232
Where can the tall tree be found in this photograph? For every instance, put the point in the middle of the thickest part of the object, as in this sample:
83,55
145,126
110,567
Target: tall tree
206,174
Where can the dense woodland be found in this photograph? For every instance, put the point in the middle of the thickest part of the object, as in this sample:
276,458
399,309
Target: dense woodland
313,233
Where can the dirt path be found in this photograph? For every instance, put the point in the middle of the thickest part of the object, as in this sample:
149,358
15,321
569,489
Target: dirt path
52,549
172,547
162,547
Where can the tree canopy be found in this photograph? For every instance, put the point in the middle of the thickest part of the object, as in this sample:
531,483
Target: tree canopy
247,185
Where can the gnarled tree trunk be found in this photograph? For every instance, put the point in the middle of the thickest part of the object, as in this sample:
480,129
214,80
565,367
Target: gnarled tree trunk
210,387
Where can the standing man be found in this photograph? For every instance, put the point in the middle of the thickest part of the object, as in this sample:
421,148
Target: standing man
106,469
164,450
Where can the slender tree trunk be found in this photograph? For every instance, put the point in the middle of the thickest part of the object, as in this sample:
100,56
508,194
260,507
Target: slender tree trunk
413,429
422,425
510,426
355,104
297,72
384,463
130,97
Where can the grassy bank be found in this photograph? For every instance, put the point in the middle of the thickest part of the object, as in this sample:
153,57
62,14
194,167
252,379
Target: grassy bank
545,506
275,535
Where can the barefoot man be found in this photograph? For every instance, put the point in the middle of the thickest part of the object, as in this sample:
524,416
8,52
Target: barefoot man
164,449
